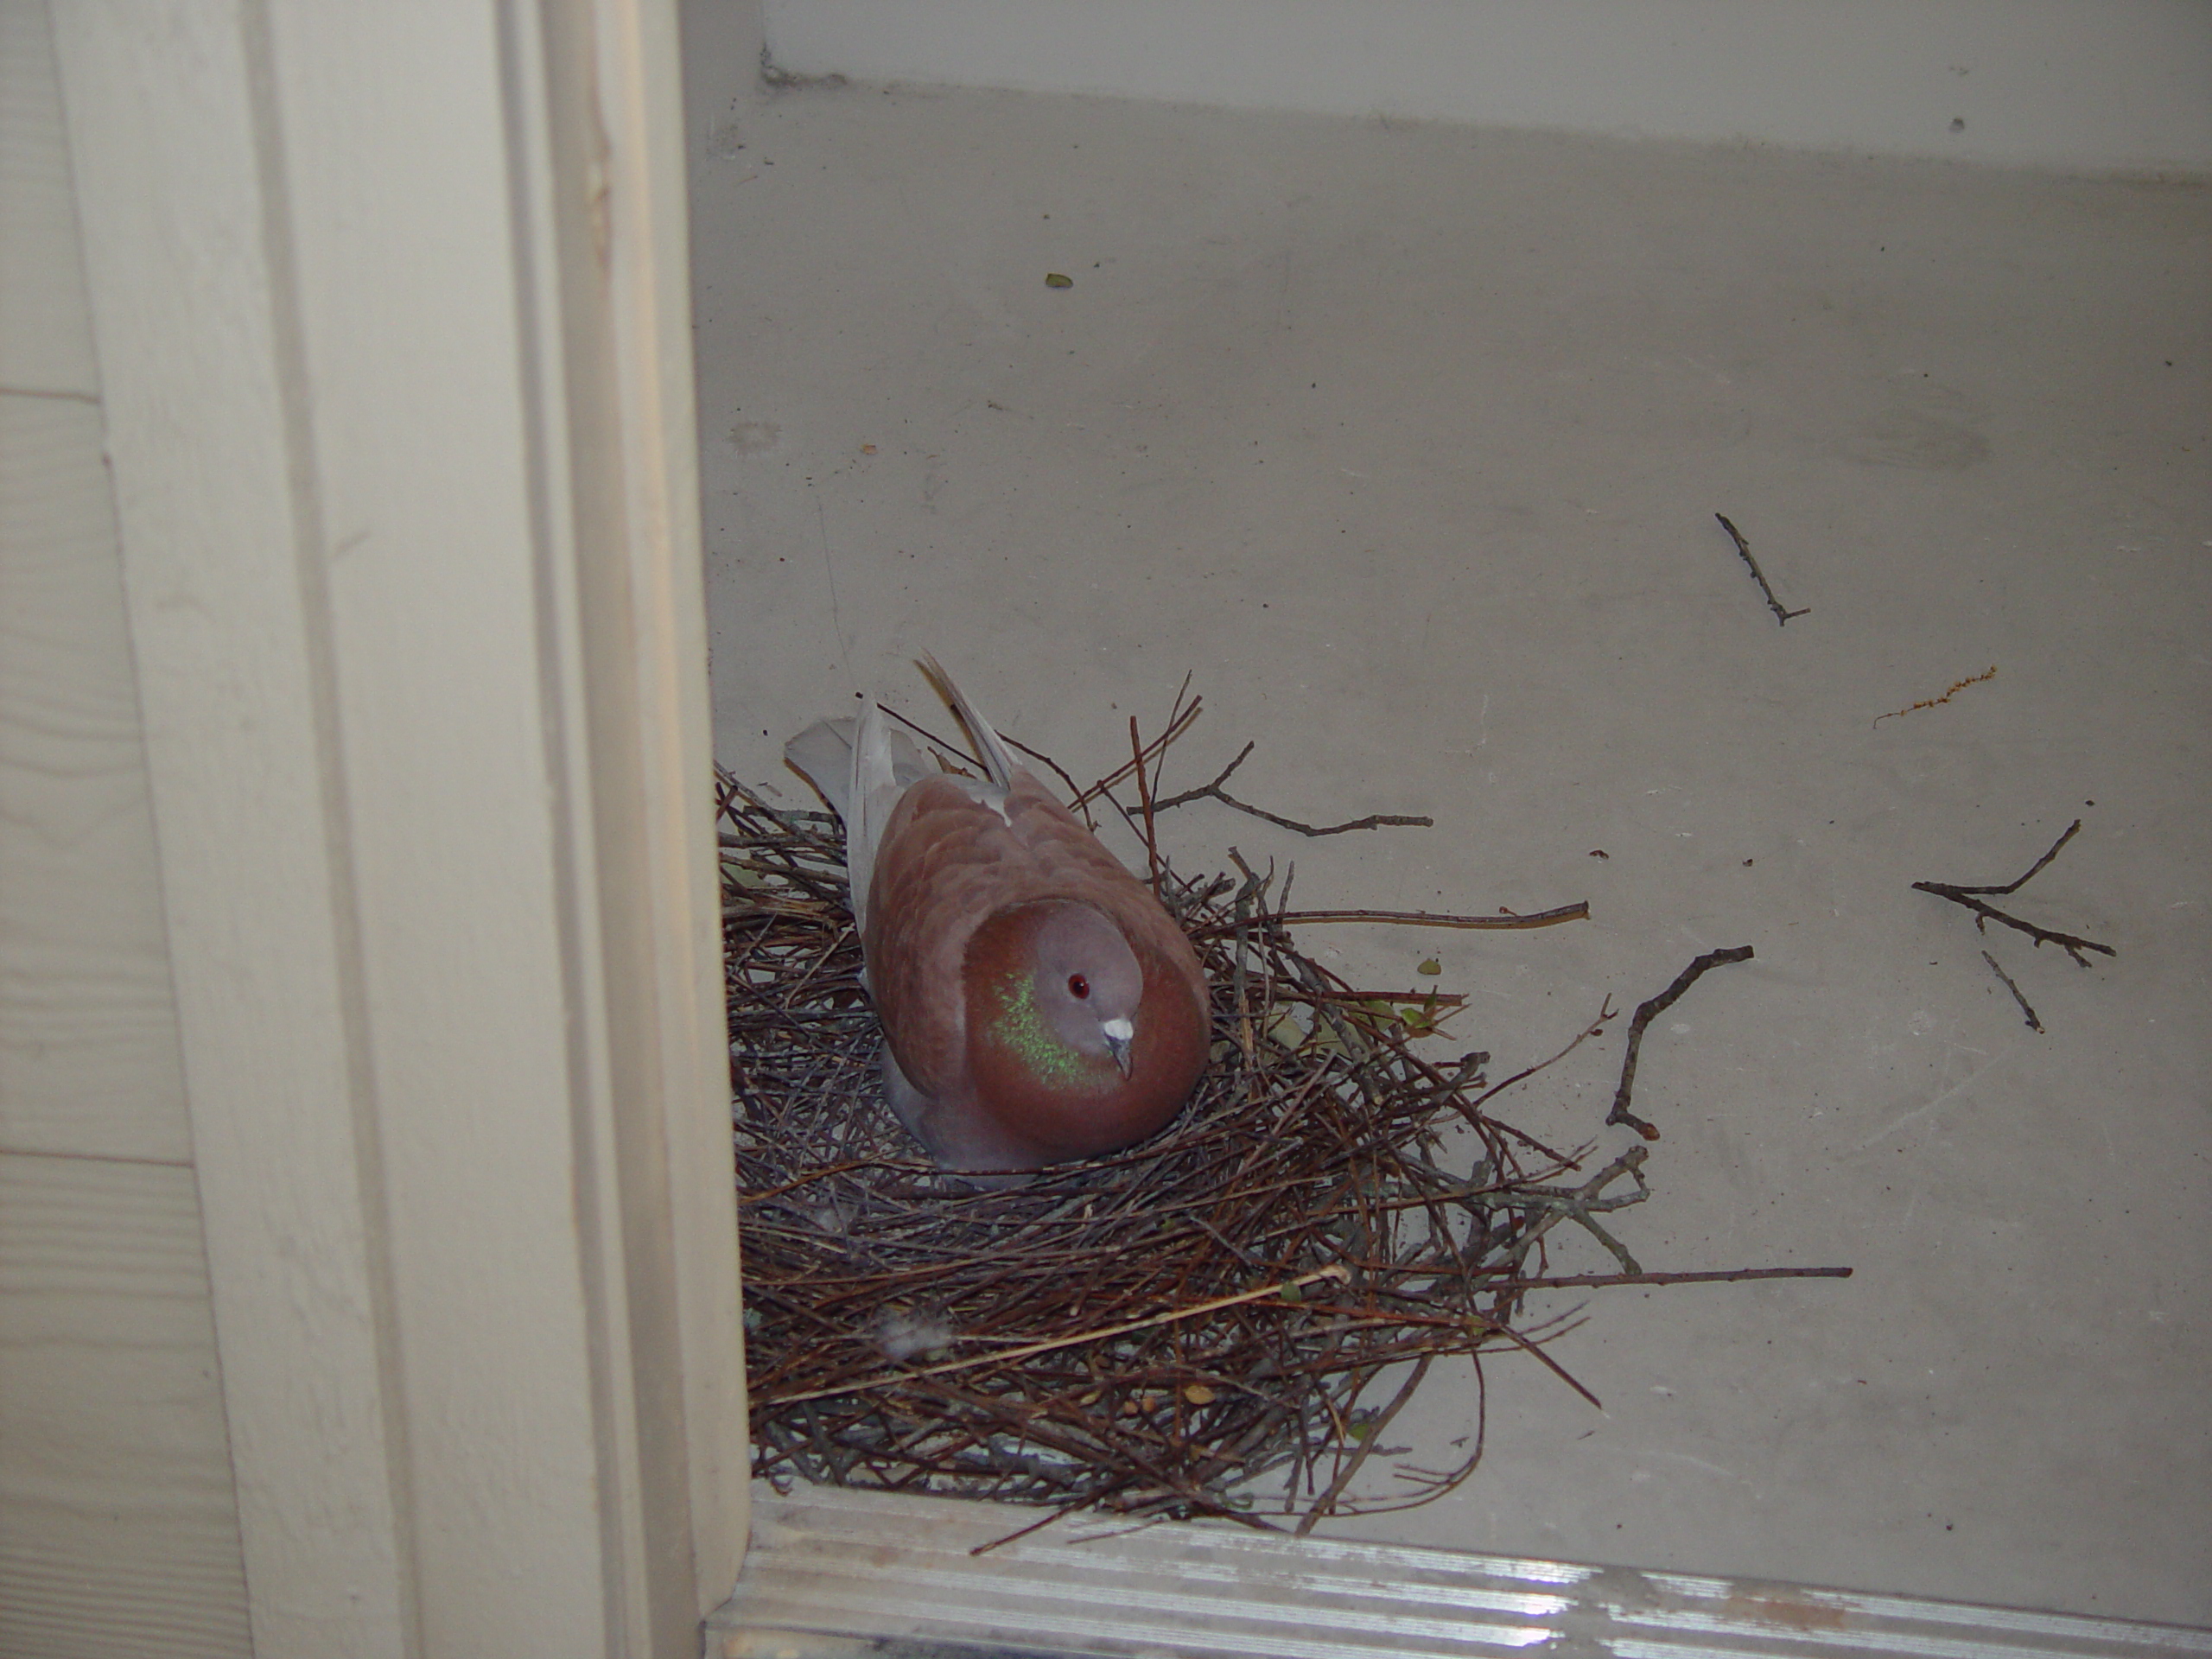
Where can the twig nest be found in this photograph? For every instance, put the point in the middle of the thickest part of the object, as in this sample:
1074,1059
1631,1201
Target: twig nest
1186,1328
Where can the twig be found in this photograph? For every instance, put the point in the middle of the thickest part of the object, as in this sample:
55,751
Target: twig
2034,869
1576,1203
1781,616
1957,686
1534,1350
1473,1112
2034,1024
1178,723
1733,1275
1144,797
1214,791
1648,1011
1061,1513
1985,913
1577,912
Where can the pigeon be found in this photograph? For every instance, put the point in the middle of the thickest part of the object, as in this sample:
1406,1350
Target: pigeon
1038,1005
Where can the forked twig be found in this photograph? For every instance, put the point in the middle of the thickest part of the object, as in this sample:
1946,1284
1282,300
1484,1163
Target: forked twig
1144,797
1986,913
1179,717
1215,791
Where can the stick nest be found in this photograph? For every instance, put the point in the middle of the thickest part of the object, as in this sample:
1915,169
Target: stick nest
1191,1327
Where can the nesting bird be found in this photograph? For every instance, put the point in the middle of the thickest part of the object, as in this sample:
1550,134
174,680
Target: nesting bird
1037,1003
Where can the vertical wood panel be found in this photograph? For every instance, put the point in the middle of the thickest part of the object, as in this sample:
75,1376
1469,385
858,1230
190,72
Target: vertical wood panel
162,101
665,928
449,525
117,1533
402,581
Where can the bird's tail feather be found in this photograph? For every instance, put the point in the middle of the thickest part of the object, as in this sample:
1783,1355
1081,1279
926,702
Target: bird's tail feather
860,768
872,789
823,754
997,760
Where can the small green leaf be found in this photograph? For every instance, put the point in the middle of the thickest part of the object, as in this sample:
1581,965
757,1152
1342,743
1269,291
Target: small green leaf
1324,1038
1053,279
1431,967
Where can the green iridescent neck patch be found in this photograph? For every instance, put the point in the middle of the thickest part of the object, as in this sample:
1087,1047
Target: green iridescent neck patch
1020,1028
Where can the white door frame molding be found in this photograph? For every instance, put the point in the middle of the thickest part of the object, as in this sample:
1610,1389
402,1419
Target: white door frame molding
391,310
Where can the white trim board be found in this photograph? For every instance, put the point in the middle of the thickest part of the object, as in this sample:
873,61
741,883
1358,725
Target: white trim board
837,1574
390,312
2096,86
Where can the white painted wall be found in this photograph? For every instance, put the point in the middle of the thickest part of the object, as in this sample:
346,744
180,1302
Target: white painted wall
2094,84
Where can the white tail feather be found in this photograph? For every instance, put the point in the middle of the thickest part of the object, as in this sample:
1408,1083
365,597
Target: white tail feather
862,766
873,790
996,759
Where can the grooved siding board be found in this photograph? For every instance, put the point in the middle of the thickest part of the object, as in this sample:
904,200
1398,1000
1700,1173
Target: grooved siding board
89,1055
118,1529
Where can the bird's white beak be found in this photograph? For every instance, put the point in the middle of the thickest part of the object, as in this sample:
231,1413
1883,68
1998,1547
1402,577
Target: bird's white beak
1118,1034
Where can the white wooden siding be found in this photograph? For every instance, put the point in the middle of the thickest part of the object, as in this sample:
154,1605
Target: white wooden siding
88,1043
119,1523
118,1533
390,311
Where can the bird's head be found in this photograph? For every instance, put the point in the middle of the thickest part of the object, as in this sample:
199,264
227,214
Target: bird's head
1062,992
1073,1044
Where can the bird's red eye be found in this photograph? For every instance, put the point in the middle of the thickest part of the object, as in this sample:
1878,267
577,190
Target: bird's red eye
1078,987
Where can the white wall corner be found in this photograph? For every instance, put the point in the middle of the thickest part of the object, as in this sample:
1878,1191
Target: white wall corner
2091,86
